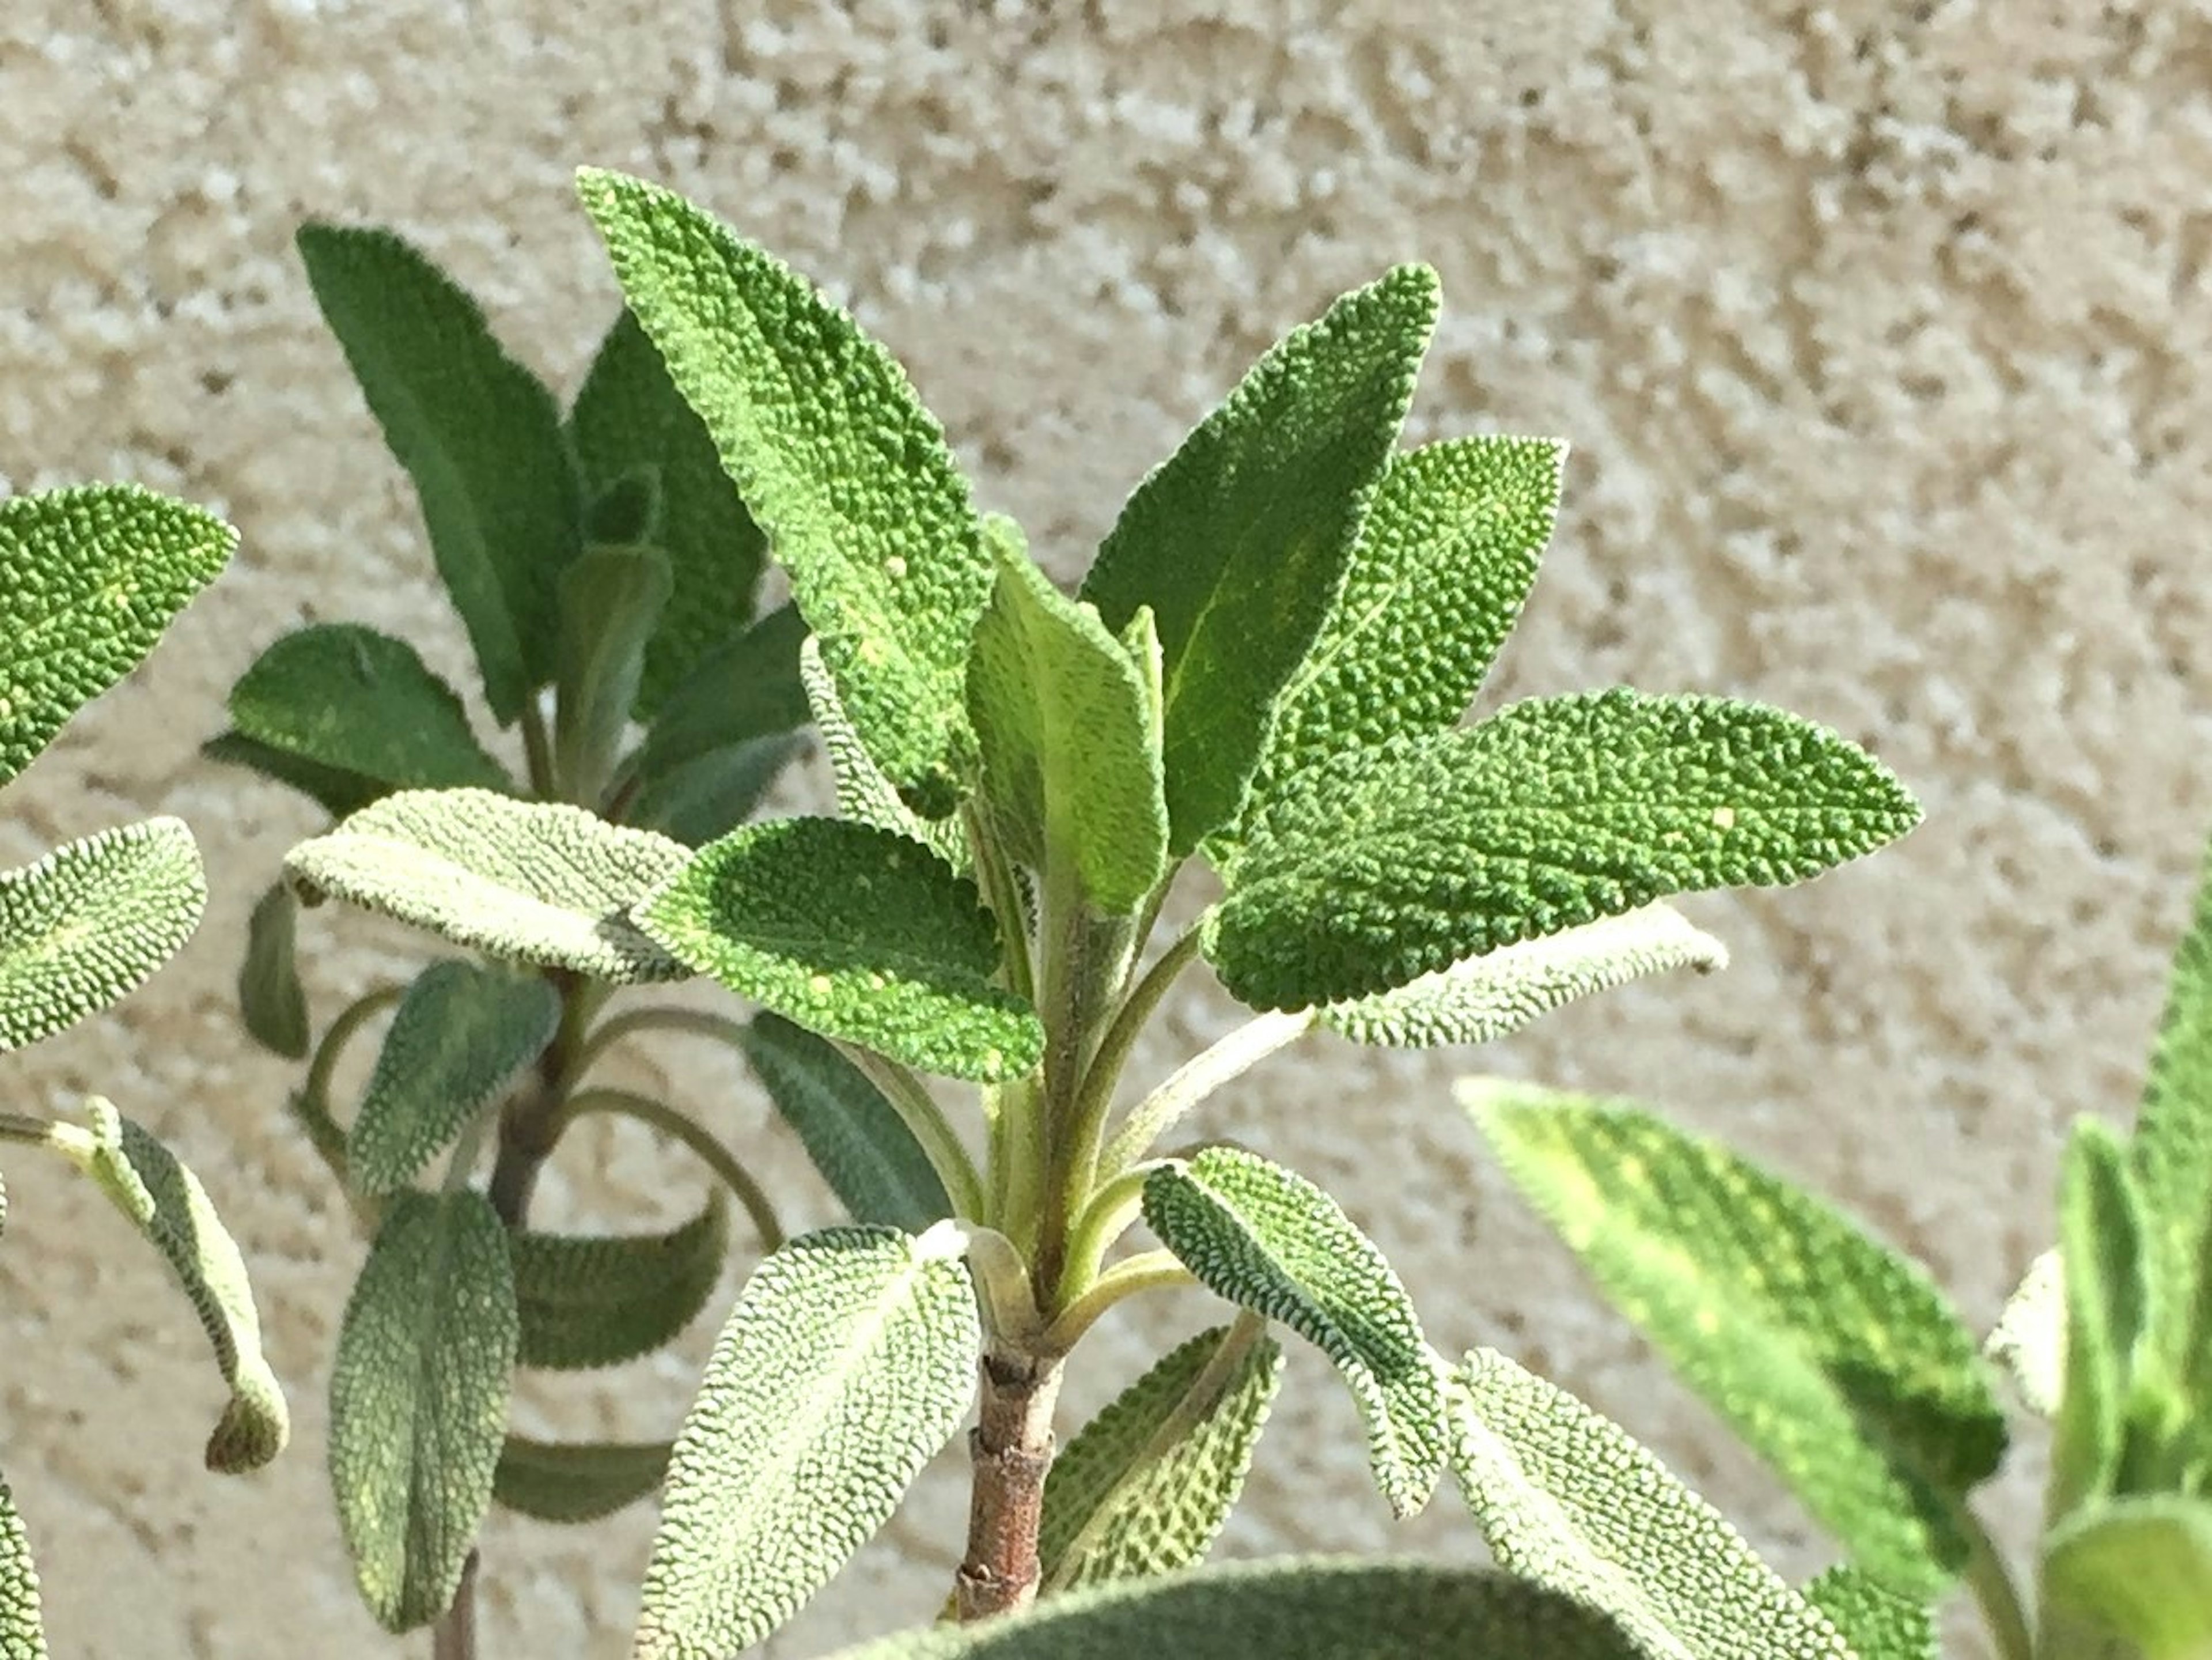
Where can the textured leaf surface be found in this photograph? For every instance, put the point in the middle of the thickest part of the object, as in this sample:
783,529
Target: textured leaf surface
865,795
23,1633
270,998
1838,1361
2029,1340
2104,1274
2172,1164
577,1482
418,1400
1388,864
460,1035
854,932
1239,541
847,1363
85,925
1568,1500
531,882
88,579
840,464
612,599
337,792
587,1300
746,688
1271,1241
1878,1624
477,432
2141,1568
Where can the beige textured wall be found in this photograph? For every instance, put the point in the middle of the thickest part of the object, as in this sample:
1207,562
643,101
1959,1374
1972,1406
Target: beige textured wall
1879,338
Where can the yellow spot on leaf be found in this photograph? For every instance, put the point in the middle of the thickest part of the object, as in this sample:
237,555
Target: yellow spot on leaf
820,985
1723,818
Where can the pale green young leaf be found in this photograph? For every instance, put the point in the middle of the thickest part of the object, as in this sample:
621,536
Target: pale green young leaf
855,933
460,1035
848,1361
591,1300
1837,1360
1272,1241
629,419
86,924
1569,1500
364,704
2029,1339
336,791
842,467
745,688
1481,998
1878,1624
531,882
1239,541
88,579
270,998
865,795
611,600
856,1139
418,1400
1145,1487
706,797
2138,1568
477,432
2104,1245
577,1482
23,1629
1383,864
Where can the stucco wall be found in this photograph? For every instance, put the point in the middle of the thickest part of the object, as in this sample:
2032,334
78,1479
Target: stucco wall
1879,338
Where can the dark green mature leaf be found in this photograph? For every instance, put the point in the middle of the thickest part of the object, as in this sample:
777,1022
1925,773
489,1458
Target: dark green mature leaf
418,1400
611,600
848,1361
853,932
1272,1241
706,797
577,1482
88,579
1381,865
86,924
1239,541
362,704
629,419
865,795
1837,1360
460,1035
2140,1568
337,792
22,1631
477,432
628,509
270,998
1878,1624
587,1300
840,464
2111,1314
856,1139
746,688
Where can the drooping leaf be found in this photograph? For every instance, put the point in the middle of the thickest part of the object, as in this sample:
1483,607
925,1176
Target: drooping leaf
2140,1568
461,1033
745,688
270,998
588,1300
88,579
86,924
2029,1339
2105,1274
611,600
22,1629
706,797
1239,541
1835,1359
337,792
1270,1241
531,882
865,795
853,932
477,432
1383,864
1878,1624
577,1482
847,1363
842,466
418,1400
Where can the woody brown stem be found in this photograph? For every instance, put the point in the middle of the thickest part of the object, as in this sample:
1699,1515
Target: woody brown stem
1012,1447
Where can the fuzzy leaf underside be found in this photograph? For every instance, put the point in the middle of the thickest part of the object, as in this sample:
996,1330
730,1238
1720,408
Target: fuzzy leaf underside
1835,1359
89,577
612,599
577,1482
2029,1338
530,882
1383,865
865,795
87,924
23,1629
844,470
2140,1568
587,1300
2104,1246
1272,1241
1566,1499
1238,542
270,998
853,932
336,792
1878,1624
848,1362
746,688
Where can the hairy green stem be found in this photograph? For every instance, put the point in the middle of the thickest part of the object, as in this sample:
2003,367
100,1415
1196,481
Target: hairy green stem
1002,893
46,1133
1146,1271
698,1023
628,1103
356,1015
1200,1077
1992,1585
1112,1207
921,1114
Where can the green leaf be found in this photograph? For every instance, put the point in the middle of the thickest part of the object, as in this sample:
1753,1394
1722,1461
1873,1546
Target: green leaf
460,1035
1839,1361
1071,762
269,997
418,1400
337,792
589,1301
167,1204
1383,865
1878,1624
363,704
477,432
1569,1500
1272,1241
629,419
856,1139
88,579
865,795
2029,1339
571,1482
2104,1243
626,508
842,467
1239,541
531,882
2142,1568
853,932
746,688
22,1631
1145,1487
1481,998
85,925
612,599
847,1363
707,797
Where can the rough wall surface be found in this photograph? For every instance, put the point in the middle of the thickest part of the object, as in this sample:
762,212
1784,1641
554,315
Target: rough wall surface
1879,331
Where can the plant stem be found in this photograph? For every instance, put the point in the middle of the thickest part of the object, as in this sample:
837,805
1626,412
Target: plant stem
628,1103
699,1023
32,1132
356,1015
1103,1219
1146,1271
1994,1591
914,1105
1002,893
454,1637
537,750
1012,1447
1198,1078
